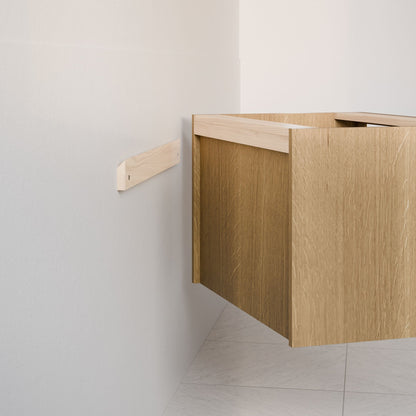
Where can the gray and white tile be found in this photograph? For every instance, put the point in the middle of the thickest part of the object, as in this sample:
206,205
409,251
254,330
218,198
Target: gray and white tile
269,365
236,325
366,404
206,400
381,370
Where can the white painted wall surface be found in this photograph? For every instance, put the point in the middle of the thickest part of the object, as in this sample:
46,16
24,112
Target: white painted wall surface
326,55
97,312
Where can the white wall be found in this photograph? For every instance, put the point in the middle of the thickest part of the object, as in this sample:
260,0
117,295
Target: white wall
325,55
97,312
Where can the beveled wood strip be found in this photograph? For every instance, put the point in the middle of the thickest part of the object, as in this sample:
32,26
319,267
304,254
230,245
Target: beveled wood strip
145,165
380,119
257,133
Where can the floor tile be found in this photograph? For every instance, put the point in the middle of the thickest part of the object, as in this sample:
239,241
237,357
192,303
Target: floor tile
381,371
269,365
397,344
236,325
364,404
205,400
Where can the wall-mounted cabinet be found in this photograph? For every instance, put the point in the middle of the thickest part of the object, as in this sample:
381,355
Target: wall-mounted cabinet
308,222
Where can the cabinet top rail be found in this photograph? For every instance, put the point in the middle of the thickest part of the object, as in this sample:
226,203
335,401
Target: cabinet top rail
380,119
274,135
264,134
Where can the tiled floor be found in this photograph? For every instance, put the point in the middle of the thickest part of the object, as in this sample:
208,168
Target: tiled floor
246,369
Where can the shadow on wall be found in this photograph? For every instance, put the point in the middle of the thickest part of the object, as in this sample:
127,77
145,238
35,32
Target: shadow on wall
186,158
187,285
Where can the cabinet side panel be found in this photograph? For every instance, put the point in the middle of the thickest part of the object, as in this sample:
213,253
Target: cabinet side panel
353,235
244,228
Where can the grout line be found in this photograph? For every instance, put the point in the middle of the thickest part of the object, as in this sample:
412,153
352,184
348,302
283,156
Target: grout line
312,346
192,361
203,343
382,394
298,388
363,347
260,387
215,323
345,378
286,344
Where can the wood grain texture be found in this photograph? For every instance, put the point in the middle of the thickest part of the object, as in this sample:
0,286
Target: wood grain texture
244,228
259,133
381,119
143,166
353,201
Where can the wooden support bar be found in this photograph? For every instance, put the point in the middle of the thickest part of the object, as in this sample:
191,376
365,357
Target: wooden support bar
380,119
263,134
143,166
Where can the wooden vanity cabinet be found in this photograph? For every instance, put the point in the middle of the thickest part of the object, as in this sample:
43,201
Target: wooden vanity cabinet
308,221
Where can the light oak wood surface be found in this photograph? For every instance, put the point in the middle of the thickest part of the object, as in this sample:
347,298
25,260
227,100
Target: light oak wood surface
143,166
244,228
353,235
